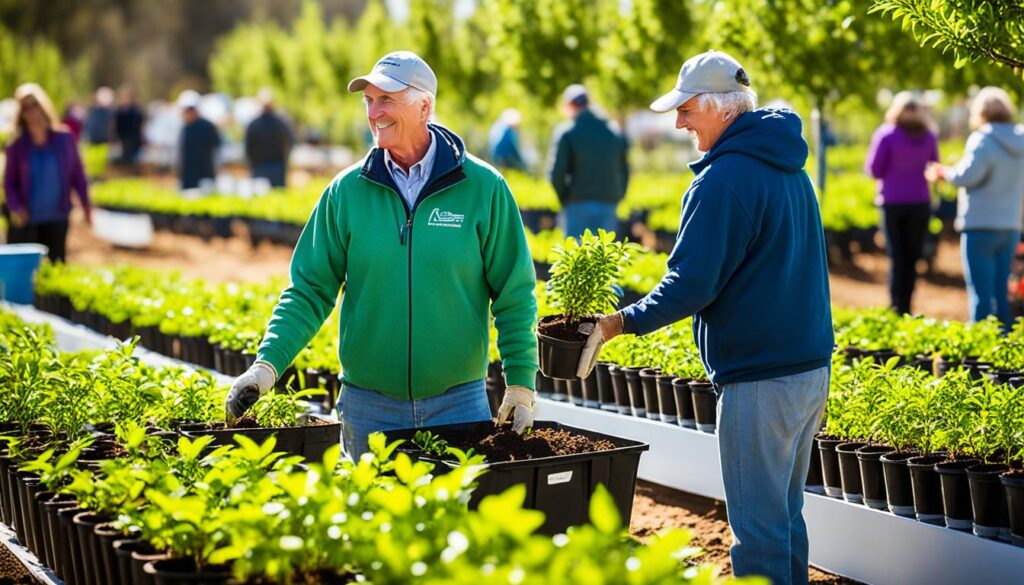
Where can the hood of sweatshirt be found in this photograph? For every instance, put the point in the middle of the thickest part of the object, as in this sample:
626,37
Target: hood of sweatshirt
770,135
1009,136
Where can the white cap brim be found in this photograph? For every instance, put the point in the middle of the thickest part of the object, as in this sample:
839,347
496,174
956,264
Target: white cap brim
377,79
671,101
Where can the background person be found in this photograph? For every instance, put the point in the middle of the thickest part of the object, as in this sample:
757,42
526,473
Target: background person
268,142
900,151
749,266
504,141
128,120
990,203
428,242
589,168
99,121
43,168
197,144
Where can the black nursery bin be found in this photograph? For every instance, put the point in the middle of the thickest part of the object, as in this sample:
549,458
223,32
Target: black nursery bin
560,486
311,441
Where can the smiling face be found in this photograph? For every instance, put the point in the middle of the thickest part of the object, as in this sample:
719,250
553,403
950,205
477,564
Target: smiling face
395,124
32,113
706,125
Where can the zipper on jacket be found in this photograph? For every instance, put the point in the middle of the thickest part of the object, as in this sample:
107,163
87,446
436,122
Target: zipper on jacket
405,235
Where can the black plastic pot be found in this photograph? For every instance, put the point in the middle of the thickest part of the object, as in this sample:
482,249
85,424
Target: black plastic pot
73,564
104,537
561,391
872,478
605,393
705,405
310,440
558,358
589,390
666,399
830,476
28,487
139,562
849,471
956,492
813,483
852,354
1013,487
494,384
881,356
636,391
620,389
123,550
684,402
545,386
560,486
574,390
85,523
899,493
51,524
924,481
988,502
185,572
1002,376
649,384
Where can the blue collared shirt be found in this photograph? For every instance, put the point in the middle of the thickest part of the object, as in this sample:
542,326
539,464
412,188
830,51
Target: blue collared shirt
410,184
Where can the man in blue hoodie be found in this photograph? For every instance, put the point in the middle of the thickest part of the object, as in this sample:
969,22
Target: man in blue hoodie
749,266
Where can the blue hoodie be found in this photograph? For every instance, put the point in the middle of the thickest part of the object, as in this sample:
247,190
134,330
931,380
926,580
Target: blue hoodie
749,258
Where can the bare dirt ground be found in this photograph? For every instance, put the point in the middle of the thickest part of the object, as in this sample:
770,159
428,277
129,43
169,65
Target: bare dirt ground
657,508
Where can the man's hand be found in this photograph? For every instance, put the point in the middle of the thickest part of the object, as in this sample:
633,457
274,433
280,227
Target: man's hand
606,328
517,403
934,172
246,390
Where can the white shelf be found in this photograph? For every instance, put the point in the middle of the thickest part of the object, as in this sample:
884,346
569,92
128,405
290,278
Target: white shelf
852,540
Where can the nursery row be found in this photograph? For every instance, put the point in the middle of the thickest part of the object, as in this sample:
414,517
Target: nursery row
123,493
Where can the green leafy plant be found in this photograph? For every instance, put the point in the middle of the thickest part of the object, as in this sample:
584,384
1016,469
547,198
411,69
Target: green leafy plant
584,273
282,409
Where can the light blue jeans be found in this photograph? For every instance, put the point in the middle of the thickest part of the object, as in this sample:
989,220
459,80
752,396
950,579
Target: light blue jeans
765,434
364,411
584,215
987,255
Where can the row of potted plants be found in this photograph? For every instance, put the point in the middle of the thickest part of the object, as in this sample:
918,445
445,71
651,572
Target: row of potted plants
945,450
113,495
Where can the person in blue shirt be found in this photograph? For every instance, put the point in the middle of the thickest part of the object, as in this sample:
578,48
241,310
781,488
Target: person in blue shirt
504,141
197,145
749,266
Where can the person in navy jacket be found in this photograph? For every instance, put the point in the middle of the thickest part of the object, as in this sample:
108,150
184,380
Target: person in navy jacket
749,266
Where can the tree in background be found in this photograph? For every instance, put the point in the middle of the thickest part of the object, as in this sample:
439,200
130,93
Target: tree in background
40,61
974,30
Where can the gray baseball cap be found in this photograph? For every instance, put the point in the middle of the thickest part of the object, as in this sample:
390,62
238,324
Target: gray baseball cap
710,72
397,71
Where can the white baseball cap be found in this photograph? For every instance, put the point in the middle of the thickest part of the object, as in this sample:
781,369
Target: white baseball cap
189,98
397,71
710,72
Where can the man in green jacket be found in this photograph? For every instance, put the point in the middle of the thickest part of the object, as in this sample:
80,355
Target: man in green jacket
588,167
426,240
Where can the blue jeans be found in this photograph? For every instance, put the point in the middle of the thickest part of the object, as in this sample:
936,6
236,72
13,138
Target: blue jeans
275,172
364,411
765,434
987,255
584,215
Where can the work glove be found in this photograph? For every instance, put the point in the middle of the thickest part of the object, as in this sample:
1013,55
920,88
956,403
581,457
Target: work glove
517,403
606,328
248,387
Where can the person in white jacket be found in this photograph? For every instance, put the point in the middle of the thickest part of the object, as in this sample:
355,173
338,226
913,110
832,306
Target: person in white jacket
990,205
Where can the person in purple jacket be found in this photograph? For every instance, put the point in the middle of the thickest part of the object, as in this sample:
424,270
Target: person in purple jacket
900,151
43,167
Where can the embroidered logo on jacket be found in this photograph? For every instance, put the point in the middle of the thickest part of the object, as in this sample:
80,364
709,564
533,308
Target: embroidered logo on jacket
447,219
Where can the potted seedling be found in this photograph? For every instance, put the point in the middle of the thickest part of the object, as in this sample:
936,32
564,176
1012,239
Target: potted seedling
582,286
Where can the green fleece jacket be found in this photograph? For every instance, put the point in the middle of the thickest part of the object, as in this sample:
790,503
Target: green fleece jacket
418,282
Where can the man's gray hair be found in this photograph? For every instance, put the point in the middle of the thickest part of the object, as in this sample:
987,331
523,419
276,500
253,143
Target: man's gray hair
412,95
730,104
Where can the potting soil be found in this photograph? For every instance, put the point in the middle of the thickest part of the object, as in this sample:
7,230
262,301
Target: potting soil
499,444
564,329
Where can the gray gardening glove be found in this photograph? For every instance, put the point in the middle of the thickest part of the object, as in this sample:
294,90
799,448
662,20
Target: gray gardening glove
517,403
248,387
606,328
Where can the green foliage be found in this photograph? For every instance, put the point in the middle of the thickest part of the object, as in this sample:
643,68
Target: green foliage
973,30
38,60
583,273
282,409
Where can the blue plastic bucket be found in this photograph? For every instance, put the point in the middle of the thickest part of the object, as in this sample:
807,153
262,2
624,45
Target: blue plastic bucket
18,262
